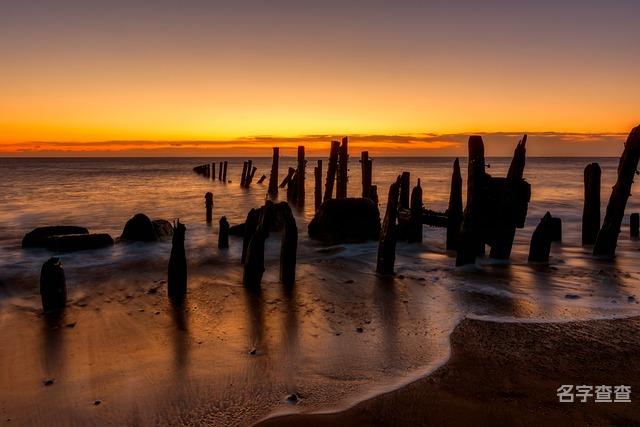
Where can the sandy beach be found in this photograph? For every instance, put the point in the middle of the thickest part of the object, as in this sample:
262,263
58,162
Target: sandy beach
508,374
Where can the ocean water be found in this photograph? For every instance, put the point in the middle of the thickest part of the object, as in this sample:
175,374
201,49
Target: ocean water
230,357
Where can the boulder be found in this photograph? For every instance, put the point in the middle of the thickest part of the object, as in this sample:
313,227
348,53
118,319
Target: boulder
141,229
38,237
349,220
163,229
78,242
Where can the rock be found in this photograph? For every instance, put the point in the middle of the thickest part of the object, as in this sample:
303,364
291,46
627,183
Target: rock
48,381
359,330
572,296
97,402
252,351
78,242
348,281
349,220
38,237
141,229
293,398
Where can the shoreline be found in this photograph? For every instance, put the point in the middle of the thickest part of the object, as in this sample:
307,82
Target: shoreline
522,365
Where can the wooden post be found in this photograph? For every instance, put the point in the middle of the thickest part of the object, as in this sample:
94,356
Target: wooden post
343,169
366,166
292,188
634,226
244,173
317,193
220,171
415,227
591,209
273,178
331,170
288,248
541,241
454,212
288,178
53,286
250,176
223,233
249,229
300,176
213,171
471,244
254,264
373,194
224,174
608,235
262,178
208,197
405,184
555,227
388,235
177,276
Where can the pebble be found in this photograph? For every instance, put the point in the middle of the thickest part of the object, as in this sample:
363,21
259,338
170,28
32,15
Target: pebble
293,398
572,296
97,402
348,281
359,330
48,381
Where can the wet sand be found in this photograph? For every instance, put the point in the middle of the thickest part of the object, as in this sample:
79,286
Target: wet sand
508,374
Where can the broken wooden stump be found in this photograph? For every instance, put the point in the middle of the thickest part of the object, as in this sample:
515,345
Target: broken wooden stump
223,233
331,170
556,229
591,208
300,177
262,178
317,188
634,226
343,169
220,171
405,186
454,211
292,188
607,239
388,236
541,239
350,220
213,171
53,286
373,194
414,230
224,173
245,164
177,272
273,177
287,178
254,263
208,203
366,166
288,248
249,229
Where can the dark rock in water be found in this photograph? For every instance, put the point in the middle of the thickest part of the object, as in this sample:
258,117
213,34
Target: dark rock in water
293,398
38,237
141,229
572,296
350,220
78,242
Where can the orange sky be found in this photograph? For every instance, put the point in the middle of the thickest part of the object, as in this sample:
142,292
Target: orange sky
166,81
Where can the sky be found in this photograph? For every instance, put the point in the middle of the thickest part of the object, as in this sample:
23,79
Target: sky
237,77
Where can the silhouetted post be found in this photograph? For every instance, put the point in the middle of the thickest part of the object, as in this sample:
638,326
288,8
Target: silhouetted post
213,171
177,277
208,203
454,212
343,169
223,233
389,234
405,184
273,178
366,165
300,176
287,178
244,173
608,235
53,286
224,174
470,244
556,229
373,194
220,171
288,248
250,175
262,178
541,241
331,170
292,188
415,227
591,209
634,226
254,264
249,229
317,192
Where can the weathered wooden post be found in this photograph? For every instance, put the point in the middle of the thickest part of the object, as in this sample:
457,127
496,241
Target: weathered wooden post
224,174
223,233
250,175
414,234
220,171
405,185
373,194
454,212
290,174
541,241
300,176
177,275
262,178
249,229
317,193
343,169
470,244
608,235
53,286
213,171
331,170
556,229
292,188
273,178
244,173
254,264
634,226
288,248
389,234
366,166
208,203
591,209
